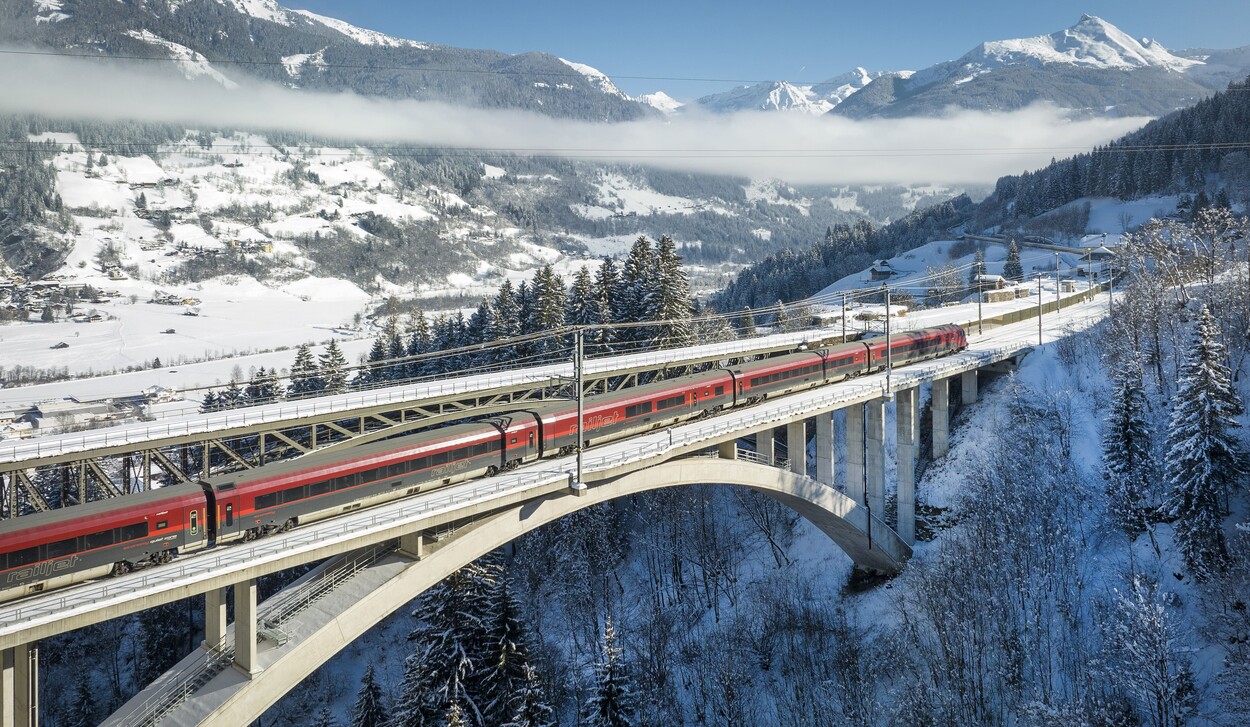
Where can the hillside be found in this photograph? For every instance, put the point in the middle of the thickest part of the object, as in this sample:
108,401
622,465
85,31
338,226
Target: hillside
241,40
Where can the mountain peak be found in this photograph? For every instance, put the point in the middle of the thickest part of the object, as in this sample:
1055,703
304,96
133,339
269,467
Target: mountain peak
1092,42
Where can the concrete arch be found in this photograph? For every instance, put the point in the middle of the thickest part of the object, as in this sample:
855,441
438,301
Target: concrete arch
233,699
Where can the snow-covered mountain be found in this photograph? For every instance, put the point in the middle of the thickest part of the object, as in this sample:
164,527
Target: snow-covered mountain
812,99
1092,66
237,41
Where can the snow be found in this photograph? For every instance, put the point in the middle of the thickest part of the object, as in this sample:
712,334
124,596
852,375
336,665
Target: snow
50,11
661,101
492,172
262,10
618,195
769,190
193,64
596,77
360,35
294,64
1091,43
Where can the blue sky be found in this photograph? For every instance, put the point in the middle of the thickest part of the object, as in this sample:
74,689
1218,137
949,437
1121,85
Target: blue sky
733,40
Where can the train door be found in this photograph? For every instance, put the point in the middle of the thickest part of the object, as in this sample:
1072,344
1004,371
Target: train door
195,532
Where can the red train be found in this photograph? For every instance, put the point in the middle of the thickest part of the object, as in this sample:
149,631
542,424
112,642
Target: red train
52,549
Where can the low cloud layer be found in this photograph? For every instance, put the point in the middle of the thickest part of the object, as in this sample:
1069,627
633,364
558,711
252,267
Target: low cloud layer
963,147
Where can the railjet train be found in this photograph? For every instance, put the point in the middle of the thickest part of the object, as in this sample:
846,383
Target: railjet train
52,549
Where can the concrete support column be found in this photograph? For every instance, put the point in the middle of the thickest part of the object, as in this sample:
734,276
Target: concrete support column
728,450
874,474
245,627
855,453
764,445
214,618
941,398
412,545
796,446
19,686
906,414
969,380
824,448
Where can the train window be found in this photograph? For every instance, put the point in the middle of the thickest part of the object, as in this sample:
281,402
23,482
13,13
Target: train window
226,486
132,532
62,547
98,540
395,470
162,525
320,488
671,402
292,495
230,514
720,391
23,557
440,458
195,522
267,501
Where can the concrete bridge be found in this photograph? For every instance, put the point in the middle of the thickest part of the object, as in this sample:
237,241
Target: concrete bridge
411,544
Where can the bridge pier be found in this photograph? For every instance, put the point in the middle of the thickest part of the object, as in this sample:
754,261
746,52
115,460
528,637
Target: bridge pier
214,618
906,413
412,545
855,453
969,381
765,445
19,686
874,416
824,448
245,628
728,450
796,446
941,398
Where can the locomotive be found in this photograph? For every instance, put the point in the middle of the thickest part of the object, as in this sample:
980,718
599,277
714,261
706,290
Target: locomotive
48,550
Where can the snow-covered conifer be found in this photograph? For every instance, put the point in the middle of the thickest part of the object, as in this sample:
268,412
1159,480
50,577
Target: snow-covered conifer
333,369
583,310
305,378
369,710
978,268
548,312
420,342
668,298
1128,464
607,286
209,402
1012,269
746,323
612,703
529,706
1203,456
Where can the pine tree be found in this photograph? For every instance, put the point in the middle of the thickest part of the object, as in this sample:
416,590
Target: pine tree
1128,464
607,286
978,268
583,310
781,319
333,369
324,718
549,303
369,710
305,379
209,402
530,707
480,330
612,704
263,388
1012,269
83,713
1203,456
452,646
668,298
746,323
374,373
636,278
396,349
420,342
231,397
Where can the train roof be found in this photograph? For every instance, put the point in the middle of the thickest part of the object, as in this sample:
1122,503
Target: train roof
141,503
359,455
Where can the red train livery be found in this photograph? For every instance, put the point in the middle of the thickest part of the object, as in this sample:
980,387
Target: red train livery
53,549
